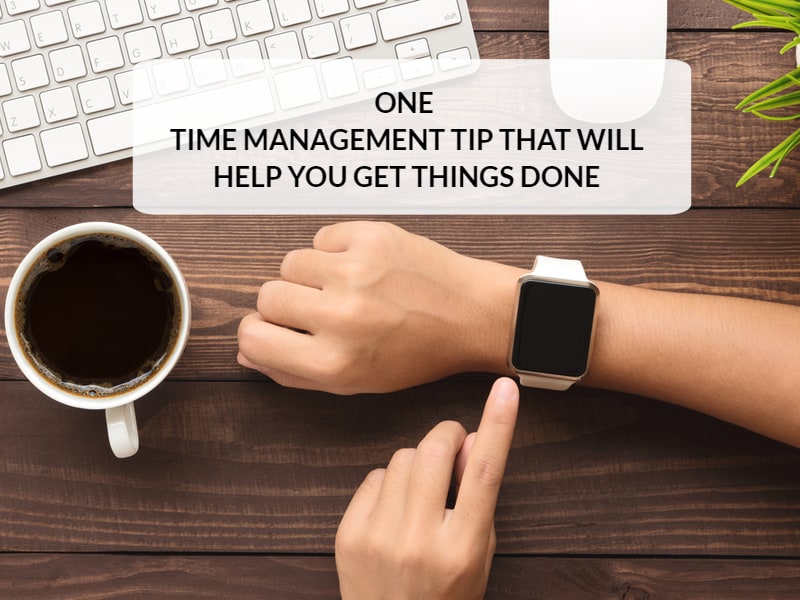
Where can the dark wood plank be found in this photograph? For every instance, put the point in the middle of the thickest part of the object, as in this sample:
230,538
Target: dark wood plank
91,576
641,579
78,577
532,15
253,467
751,253
725,142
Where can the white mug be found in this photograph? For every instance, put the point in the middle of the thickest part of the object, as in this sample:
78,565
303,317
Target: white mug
123,434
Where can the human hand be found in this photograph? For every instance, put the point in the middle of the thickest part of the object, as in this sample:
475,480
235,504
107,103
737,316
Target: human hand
398,541
374,308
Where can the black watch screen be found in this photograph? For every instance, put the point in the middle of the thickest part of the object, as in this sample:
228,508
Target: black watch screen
553,332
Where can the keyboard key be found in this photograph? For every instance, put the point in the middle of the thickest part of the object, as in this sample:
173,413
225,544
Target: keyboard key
5,82
63,145
16,7
58,104
283,49
297,88
170,77
133,86
217,26
198,4
380,77
320,40
246,59
49,29
414,69
454,59
417,17
255,17
22,155
358,31
67,63
30,73
21,114
56,2
111,133
142,44
180,36
339,77
367,3
412,49
96,95
328,8
123,13
13,38
105,54
86,19
159,9
208,68
292,12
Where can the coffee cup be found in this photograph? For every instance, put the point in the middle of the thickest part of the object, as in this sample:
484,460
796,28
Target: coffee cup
97,315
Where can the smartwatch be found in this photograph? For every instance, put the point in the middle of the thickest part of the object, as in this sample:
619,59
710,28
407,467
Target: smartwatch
551,339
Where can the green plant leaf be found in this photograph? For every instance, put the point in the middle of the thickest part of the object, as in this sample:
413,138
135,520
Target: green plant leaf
767,7
787,23
776,155
790,45
783,150
775,103
780,84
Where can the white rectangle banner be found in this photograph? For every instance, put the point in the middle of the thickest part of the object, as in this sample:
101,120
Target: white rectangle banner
386,137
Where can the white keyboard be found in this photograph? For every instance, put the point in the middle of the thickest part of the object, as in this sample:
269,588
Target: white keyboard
67,66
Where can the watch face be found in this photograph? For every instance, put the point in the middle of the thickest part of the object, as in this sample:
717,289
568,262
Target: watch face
554,328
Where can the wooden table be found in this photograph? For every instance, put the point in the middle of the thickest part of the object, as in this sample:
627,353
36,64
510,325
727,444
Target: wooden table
240,484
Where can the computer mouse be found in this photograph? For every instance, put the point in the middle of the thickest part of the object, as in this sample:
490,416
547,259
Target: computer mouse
607,57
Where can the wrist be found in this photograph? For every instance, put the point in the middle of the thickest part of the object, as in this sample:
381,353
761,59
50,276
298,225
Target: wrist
492,286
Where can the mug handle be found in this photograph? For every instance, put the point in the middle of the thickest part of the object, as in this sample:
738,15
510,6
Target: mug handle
123,435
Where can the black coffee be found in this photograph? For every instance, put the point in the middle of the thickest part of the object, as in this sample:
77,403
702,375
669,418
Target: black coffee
98,315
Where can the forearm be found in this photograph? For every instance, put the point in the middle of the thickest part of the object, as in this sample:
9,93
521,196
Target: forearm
735,359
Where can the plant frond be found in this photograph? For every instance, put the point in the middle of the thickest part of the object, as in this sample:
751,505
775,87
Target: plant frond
778,153
772,88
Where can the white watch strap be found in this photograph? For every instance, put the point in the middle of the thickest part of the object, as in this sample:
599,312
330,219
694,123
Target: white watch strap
559,268
545,383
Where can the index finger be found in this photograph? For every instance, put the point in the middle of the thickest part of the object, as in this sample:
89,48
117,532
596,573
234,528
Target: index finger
477,495
269,346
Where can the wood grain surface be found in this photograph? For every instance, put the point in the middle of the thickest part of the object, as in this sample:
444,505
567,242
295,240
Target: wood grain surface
314,577
239,485
254,467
